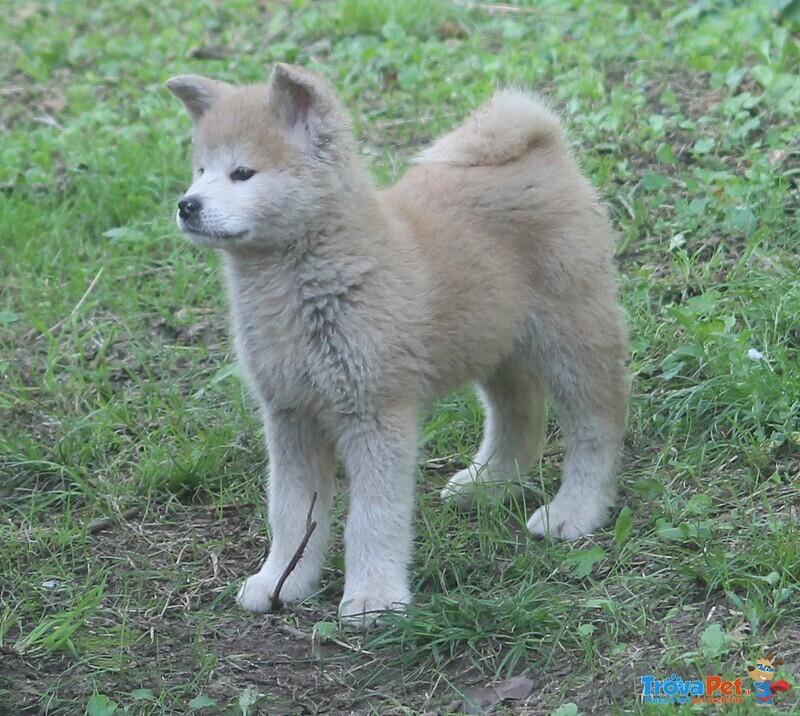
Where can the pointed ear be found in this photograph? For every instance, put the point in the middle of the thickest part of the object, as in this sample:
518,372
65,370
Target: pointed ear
197,93
306,108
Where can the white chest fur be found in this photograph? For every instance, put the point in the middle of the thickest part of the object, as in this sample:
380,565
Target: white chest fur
300,333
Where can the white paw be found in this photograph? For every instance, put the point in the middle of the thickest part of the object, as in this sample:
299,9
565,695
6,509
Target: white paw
362,609
255,594
466,486
567,518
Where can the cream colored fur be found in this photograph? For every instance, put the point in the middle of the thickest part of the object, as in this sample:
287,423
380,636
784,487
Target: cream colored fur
489,262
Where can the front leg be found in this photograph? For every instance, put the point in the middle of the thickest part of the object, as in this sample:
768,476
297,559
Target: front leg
301,461
379,454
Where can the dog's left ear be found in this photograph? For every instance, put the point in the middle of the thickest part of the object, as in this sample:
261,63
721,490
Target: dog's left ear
306,108
197,93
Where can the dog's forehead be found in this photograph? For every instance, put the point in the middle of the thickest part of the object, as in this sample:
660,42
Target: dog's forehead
239,123
235,115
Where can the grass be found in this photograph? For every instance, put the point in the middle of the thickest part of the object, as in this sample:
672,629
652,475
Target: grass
119,389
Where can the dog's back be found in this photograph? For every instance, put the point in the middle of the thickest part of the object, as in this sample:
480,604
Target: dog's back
501,211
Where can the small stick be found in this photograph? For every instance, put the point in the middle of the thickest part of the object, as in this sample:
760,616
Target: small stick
421,120
105,522
275,598
501,8
286,24
226,509
291,631
77,308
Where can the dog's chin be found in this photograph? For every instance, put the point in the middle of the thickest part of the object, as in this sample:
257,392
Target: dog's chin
213,239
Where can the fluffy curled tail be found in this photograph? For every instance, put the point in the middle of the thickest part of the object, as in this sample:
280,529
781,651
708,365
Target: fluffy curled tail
505,128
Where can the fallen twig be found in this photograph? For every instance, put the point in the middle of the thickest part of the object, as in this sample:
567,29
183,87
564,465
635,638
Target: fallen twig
77,308
499,8
291,632
275,598
417,120
270,38
104,522
227,509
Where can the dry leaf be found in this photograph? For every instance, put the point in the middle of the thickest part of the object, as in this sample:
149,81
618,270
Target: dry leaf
514,689
776,156
482,700
208,53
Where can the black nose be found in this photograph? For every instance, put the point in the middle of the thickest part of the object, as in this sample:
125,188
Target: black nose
188,206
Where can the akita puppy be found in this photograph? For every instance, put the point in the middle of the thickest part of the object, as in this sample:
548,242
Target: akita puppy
489,262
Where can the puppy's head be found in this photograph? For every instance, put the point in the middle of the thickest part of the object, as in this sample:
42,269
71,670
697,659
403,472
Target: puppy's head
266,158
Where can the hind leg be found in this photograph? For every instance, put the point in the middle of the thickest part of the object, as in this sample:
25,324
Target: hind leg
513,433
584,370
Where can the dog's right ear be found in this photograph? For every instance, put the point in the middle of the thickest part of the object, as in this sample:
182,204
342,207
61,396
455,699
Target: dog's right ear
197,93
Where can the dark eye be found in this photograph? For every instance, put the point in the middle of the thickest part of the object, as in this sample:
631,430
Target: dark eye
241,174
200,171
